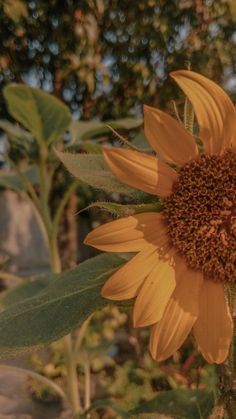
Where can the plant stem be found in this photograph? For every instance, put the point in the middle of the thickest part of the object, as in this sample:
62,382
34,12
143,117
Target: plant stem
228,369
81,334
87,401
72,379
51,230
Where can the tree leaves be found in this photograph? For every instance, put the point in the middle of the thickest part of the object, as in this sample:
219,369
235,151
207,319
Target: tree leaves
62,306
92,169
42,114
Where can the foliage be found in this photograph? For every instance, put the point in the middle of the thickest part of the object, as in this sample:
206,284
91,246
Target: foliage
104,58
43,115
60,307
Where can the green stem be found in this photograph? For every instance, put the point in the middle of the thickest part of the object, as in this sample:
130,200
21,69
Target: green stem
71,364
61,207
81,334
51,230
87,375
72,379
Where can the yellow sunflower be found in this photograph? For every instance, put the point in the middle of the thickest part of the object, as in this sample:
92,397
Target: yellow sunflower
187,253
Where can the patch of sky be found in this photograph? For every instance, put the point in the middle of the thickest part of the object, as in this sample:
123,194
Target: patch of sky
213,29
53,48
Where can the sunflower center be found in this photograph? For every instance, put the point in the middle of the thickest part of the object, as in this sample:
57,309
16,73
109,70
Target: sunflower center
201,216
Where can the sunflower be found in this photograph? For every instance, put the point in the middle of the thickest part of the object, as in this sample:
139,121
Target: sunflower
186,254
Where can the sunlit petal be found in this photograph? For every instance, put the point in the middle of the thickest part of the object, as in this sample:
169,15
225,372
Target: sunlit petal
126,281
141,171
168,137
154,294
129,234
214,327
213,108
179,316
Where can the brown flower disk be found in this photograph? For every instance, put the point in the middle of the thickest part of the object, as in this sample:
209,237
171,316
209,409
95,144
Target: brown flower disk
201,216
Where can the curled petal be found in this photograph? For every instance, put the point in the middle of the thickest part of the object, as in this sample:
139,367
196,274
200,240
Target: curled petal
168,137
213,108
141,171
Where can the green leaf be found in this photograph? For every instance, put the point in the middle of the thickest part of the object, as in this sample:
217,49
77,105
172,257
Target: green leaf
123,210
62,306
11,180
16,134
180,403
29,288
81,130
92,169
140,141
42,114
91,147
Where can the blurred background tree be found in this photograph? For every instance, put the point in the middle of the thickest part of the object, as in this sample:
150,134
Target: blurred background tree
105,58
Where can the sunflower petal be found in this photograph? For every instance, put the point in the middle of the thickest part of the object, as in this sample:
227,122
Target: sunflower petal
129,234
141,171
179,316
213,108
125,283
214,327
168,137
154,294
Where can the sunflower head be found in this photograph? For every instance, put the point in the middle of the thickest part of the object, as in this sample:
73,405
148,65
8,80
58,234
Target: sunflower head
186,254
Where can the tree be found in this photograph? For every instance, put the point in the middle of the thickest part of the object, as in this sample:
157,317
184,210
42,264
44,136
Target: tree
106,57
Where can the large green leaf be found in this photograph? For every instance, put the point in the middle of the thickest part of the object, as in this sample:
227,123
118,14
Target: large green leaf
92,169
180,403
81,130
27,289
59,308
42,114
11,180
